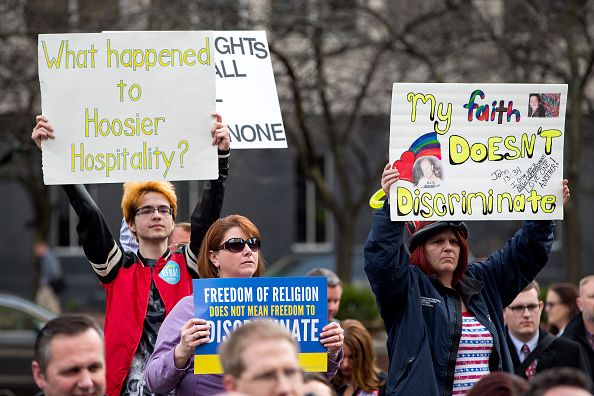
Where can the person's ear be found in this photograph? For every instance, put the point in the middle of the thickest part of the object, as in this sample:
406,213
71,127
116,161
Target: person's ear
212,256
229,382
38,375
578,301
132,227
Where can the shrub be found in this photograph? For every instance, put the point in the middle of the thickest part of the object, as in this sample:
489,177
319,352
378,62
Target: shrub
359,303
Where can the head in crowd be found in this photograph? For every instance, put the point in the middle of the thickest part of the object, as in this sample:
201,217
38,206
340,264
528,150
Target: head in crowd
40,248
260,358
522,316
334,289
427,243
585,300
315,384
499,383
148,194
561,306
358,365
180,235
562,381
231,249
69,357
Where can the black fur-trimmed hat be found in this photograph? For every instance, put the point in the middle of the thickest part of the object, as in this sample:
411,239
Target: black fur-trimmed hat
420,231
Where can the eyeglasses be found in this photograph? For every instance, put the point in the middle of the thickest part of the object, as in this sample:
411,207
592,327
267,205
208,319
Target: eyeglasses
519,309
237,245
149,210
269,378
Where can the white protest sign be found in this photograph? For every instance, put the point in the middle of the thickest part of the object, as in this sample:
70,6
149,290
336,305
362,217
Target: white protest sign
128,107
246,91
477,151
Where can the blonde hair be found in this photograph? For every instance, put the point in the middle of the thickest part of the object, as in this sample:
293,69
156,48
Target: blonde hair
585,280
214,238
134,191
257,330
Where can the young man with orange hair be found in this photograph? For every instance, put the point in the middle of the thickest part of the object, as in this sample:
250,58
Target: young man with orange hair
142,287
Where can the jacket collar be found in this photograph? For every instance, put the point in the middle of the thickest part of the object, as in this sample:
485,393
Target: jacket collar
468,287
576,328
143,259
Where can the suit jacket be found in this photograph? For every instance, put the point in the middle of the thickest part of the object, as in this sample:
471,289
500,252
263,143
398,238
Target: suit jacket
560,353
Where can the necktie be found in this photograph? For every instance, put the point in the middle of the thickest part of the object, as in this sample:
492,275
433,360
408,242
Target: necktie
531,369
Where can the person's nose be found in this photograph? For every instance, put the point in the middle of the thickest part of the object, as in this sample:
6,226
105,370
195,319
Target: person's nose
247,250
346,363
283,385
85,380
526,312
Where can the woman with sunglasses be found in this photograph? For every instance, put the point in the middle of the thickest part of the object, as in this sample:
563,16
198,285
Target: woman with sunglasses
230,249
444,317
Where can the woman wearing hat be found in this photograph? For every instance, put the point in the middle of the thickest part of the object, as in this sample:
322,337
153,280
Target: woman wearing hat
443,316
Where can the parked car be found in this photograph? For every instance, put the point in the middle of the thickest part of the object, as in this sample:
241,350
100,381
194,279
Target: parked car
20,322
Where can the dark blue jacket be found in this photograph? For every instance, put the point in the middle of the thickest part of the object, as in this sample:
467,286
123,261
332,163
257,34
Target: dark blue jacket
424,319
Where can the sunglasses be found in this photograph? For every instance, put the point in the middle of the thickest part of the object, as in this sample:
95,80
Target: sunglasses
237,245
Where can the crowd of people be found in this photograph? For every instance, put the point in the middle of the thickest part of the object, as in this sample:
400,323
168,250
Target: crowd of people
453,327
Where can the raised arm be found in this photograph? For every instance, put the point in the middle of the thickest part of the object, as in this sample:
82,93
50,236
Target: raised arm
522,257
208,208
99,246
386,258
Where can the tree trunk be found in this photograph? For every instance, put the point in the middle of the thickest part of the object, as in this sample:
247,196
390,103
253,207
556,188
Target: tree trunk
572,242
572,238
344,246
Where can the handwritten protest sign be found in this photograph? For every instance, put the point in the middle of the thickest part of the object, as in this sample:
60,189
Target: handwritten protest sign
128,106
477,151
298,303
246,91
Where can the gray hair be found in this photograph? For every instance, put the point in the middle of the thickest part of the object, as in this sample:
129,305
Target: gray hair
333,279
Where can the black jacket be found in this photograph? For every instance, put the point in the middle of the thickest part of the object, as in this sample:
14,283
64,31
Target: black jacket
575,331
560,353
423,318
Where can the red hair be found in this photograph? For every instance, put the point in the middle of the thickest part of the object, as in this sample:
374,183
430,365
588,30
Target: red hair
418,258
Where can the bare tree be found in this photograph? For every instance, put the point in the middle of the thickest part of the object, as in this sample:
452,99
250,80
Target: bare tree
553,41
338,65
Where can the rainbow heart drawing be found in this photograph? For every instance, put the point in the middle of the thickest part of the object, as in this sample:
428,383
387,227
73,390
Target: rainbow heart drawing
425,145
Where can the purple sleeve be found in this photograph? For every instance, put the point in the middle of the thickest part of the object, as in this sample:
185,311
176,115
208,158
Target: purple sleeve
160,373
333,364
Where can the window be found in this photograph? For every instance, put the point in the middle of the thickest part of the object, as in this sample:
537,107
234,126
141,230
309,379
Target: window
313,223
13,319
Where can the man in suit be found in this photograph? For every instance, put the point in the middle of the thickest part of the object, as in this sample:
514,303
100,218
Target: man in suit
532,349
581,328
